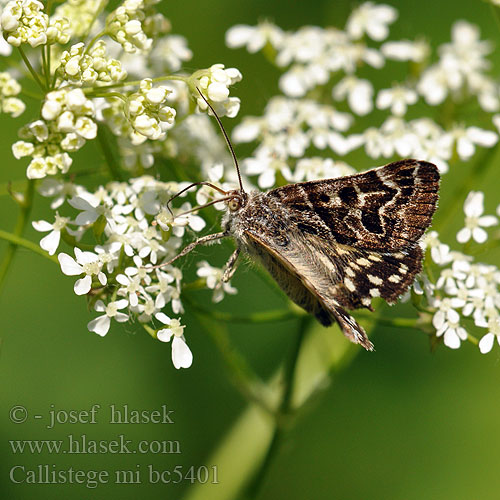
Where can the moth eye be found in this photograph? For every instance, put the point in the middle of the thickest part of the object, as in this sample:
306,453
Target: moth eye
234,204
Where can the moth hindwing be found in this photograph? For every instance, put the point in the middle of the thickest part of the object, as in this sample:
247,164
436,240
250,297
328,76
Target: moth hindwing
335,244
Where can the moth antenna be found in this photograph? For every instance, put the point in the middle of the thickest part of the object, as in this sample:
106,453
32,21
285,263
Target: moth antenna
226,137
201,183
199,207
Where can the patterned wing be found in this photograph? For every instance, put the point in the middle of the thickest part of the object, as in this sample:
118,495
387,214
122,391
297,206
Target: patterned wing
385,209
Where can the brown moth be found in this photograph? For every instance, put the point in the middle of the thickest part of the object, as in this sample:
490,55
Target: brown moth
335,244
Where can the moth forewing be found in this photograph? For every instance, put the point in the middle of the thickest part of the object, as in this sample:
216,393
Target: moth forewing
336,244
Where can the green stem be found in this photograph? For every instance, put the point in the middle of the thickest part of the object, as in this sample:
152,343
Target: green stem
285,410
472,339
23,242
34,74
94,40
259,317
150,330
394,322
22,220
136,83
112,164
46,70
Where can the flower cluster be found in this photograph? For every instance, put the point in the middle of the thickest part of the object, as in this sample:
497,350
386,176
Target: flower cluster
136,232
82,67
147,112
24,21
461,69
125,25
67,122
9,88
214,84
313,57
465,294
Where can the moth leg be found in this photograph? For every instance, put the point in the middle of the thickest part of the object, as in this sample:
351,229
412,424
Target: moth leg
351,329
200,241
230,267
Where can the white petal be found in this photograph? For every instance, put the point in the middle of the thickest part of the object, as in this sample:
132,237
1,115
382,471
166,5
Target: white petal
82,286
102,278
133,299
81,204
463,236
121,304
122,279
486,343
164,335
451,339
68,265
163,318
266,179
196,223
51,242
486,138
182,356
487,220
42,225
100,306
121,317
99,325
87,217
479,234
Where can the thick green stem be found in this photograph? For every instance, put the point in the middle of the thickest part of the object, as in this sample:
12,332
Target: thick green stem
22,220
283,413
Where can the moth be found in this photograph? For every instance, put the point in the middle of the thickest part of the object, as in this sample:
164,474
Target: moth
333,245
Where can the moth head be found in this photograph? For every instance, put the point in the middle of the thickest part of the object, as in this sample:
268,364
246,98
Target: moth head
235,200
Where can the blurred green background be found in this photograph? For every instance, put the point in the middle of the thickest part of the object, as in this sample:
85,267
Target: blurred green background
401,423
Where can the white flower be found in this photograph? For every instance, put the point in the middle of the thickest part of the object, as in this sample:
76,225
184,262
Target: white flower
359,94
475,220
397,98
254,38
213,276
486,343
468,137
371,19
446,322
406,50
87,263
440,253
101,324
131,286
91,209
51,241
182,356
